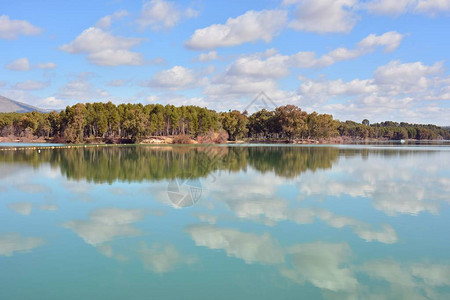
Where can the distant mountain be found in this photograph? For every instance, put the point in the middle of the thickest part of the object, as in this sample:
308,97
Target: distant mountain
8,105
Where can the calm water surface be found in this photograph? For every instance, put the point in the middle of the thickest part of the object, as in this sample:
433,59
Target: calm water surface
260,222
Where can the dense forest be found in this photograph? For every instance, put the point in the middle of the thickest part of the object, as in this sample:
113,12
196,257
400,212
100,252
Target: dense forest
131,123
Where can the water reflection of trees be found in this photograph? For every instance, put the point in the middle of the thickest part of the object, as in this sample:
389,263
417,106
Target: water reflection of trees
138,163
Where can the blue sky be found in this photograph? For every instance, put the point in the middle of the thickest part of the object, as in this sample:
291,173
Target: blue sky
377,59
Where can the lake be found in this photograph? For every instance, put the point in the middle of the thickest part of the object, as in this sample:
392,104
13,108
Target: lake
226,222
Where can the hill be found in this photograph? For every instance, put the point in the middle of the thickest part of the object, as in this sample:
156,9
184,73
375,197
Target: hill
8,105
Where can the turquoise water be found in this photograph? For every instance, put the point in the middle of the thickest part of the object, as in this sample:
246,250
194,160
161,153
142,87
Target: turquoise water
228,222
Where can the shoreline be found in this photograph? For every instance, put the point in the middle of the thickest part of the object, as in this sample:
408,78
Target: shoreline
40,143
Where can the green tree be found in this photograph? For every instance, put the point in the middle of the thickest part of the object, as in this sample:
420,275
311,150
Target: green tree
292,120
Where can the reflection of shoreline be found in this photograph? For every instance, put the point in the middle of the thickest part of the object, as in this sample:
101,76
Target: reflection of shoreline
155,163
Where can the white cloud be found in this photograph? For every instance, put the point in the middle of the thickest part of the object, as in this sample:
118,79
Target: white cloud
176,78
419,280
409,280
250,74
432,274
80,89
274,65
388,7
49,207
20,64
403,198
23,208
208,56
32,188
323,265
400,279
104,49
106,21
249,27
226,92
256,200
31,85
396,8
11,29
432,7
106,224
11,243
386,235
402,78
251,248
211,219
389,41
163,258
46,66
23,64
397,91
320,91
52,102
323,16
159,14
374,180
108,251
117,82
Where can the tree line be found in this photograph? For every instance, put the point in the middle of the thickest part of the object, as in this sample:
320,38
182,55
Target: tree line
107,122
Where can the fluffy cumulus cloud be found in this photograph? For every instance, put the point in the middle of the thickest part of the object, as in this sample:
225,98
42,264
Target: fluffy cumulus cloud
176,78
160,258
374,180
106,224
208,56
395,8
80,89
396,91
249,247
323,16
51,103
23,208
117,82
386,7
251,74
256,201
407,280
46,66
388,41
11,243
402,78
23,64
239,84
432,7
159,14
328,266
274,65
104,49
12,29
106,21
322,264
29,85
249,27
20,64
